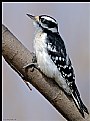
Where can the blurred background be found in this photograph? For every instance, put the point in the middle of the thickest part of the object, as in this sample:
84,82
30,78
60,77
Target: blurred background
21,104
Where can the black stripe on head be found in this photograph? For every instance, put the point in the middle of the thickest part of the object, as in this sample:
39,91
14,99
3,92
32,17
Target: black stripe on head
48,21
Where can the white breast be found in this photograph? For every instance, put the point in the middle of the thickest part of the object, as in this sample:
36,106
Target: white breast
43,59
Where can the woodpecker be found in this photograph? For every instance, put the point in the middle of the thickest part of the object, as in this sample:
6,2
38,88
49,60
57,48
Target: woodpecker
52,58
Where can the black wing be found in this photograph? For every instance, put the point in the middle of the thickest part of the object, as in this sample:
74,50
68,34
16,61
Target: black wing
57,51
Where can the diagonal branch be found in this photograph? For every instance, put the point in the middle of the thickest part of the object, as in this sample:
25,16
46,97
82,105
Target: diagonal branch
18,56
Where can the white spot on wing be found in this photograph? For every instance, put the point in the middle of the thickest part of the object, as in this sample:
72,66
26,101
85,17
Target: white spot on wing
73,77
65,66
60,58
56,58
55,61
49,47
69,75
59,68
69,67
65,74
54,50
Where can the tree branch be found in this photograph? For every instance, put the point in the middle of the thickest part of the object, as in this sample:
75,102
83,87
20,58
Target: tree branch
18,56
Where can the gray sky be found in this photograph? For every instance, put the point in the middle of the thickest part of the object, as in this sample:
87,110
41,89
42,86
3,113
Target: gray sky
74,26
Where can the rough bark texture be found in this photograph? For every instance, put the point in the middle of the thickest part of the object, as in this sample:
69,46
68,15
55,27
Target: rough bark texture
18,56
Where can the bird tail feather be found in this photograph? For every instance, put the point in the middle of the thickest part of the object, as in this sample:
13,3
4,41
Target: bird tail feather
80,105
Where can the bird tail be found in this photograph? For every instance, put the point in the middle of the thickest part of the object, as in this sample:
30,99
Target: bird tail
80,105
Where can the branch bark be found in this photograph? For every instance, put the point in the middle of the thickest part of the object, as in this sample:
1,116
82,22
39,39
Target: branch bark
18,56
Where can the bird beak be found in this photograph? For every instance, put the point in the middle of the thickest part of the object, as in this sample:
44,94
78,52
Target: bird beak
35,18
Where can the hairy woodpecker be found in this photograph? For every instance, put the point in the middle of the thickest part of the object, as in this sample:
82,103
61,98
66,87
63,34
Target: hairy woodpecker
53,59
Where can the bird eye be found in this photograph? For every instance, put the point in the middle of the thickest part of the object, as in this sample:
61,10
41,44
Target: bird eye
42,20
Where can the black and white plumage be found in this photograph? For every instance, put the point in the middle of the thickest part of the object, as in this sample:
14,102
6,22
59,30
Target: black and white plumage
53,59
